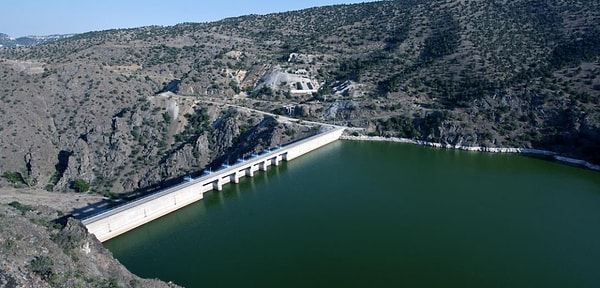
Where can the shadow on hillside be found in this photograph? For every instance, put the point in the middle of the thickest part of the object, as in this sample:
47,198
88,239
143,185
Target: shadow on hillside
92,208
119,199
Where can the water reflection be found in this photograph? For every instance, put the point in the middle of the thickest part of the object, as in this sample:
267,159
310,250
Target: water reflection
380,214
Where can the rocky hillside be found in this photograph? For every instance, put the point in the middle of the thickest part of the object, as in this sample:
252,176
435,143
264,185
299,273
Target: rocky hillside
122,110
36,251
131,110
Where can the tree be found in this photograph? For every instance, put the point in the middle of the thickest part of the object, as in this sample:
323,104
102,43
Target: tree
234,85
80,185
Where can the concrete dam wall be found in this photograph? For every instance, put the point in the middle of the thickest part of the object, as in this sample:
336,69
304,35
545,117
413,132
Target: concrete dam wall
121,219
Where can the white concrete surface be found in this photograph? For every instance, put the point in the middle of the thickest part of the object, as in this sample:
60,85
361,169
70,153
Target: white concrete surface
121,219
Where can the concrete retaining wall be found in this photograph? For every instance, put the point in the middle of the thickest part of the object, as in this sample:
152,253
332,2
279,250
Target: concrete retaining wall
124,218
119,220
313,143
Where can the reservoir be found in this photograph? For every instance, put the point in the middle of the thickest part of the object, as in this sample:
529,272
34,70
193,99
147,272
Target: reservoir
372,214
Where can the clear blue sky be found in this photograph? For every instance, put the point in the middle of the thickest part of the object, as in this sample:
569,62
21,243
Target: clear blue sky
44,17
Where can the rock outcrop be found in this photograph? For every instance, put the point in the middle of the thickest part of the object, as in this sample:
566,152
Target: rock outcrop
37,251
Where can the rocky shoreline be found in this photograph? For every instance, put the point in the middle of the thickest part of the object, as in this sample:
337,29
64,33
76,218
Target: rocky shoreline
525,151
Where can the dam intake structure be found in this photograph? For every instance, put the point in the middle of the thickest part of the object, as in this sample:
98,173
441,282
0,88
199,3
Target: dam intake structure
116,221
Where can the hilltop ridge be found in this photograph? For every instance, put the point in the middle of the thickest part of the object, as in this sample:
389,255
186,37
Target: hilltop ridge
27,41
483,73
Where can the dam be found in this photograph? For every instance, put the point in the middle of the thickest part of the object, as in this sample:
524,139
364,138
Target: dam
121,219
380,214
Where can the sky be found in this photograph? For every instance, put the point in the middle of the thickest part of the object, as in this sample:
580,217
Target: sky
44,17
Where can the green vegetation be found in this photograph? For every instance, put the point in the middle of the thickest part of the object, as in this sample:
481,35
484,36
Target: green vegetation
14,178
235,87
401,125
522,73
500,73
21,207
43,266
444,38
574,51
167,117
80,185
197,124
404,127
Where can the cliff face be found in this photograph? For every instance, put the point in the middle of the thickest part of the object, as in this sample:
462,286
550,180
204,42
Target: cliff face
36,251
134,144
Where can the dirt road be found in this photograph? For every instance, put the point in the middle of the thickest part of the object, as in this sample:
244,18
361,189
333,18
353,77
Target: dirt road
65,202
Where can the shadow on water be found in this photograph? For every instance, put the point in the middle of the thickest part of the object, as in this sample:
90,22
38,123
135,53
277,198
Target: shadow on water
192,216
379,215
247,185
213,197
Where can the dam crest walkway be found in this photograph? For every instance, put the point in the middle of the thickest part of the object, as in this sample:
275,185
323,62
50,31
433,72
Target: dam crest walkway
116,221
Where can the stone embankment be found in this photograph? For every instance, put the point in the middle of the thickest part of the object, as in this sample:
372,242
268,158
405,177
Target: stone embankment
525,151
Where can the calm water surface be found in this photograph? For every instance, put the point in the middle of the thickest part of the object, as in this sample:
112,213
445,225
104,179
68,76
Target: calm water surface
363,214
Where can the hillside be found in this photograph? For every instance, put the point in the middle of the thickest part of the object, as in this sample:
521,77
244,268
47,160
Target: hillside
36,251
26,41
126,109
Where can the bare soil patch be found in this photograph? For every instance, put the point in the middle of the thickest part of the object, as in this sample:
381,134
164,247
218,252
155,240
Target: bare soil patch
64,202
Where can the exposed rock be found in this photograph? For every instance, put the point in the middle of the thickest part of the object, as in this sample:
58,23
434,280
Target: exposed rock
37,252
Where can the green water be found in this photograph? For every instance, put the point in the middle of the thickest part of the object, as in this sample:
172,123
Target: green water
362,214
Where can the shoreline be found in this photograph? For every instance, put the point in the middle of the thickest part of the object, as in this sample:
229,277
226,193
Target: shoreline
524,151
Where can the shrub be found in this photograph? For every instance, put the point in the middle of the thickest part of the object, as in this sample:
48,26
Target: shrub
21,207
14,177
42,265
80,185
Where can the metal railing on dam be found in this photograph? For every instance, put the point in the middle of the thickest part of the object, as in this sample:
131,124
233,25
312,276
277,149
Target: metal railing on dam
121,219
